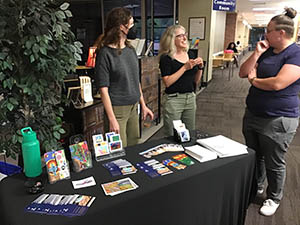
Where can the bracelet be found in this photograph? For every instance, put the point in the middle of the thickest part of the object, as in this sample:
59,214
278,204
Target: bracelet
251,80
200,68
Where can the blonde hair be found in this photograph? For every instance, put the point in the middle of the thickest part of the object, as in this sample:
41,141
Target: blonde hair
167,41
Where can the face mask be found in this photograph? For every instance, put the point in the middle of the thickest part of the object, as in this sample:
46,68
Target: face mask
131,33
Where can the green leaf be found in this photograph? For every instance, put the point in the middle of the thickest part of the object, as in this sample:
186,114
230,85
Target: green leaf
57,127
2,55
2,76
62,131
9,106
56,135
5,83
14,139
64,6
20,139
60,15
35,48
77,56
58,29
32,58
13,101
78,44
26,90
43,50
68,13
43,82
28,44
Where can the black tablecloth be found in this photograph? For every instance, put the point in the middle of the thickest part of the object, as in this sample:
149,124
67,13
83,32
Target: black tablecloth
211,193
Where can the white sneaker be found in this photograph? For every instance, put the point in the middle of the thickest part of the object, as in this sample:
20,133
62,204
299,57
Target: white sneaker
269,207
260,191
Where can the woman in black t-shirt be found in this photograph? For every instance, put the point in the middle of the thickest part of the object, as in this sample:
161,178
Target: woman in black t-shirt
181,72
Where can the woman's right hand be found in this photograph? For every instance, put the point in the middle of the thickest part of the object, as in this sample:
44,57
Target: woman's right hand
114,126
190,64
262,46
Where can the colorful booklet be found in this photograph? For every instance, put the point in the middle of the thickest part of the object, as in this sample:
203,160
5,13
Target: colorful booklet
57,166
183,158
81,156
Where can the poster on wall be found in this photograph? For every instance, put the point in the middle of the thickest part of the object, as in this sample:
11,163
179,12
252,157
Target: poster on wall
224,5
197,28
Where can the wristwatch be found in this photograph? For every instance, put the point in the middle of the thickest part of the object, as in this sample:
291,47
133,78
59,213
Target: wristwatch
251,80
200,68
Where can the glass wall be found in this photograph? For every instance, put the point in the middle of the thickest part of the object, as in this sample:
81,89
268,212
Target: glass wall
88,15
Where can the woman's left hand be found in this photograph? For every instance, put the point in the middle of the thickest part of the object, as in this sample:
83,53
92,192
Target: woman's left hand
252,75
199,61
147,112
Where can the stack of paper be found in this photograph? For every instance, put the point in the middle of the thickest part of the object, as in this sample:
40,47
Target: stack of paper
200,153
223,146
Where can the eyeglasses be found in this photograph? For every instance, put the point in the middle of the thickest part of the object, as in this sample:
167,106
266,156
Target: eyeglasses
181,35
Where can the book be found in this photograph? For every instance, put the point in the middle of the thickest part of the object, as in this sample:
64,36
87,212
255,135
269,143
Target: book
138,45
201,154
223,146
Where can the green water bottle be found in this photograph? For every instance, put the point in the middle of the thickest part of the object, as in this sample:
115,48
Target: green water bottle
31,153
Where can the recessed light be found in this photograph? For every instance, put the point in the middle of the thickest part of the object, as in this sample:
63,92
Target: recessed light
264,9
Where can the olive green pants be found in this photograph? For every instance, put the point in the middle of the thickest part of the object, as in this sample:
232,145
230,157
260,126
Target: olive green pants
128,119
179,107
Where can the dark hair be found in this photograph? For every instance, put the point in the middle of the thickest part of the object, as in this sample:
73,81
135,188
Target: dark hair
232,48
116,17
285,21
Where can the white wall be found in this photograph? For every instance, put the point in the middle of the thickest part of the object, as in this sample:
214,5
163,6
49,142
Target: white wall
199,8
219,31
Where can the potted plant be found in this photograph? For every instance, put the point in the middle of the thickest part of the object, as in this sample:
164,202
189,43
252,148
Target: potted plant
38,50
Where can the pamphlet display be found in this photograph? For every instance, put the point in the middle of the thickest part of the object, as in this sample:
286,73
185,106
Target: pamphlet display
57,166
81,156
108,148
181,134
64,205
119,186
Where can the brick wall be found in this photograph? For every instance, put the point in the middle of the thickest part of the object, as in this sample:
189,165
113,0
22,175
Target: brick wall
230,28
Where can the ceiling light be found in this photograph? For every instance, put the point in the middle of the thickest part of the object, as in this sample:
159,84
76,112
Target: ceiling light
264,9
